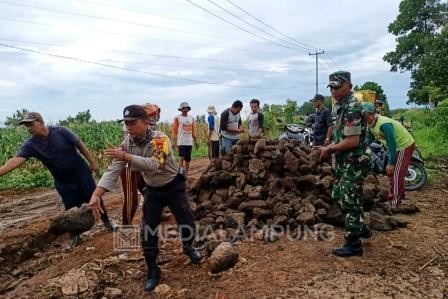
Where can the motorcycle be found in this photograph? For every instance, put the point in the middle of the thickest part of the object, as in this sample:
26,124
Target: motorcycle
296,132
416,175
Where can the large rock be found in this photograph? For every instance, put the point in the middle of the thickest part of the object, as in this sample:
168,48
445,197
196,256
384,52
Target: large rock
383,186
306,218
235,199
405,209
223,257
255,192
256,166
380,222
252,204
291,162
223,179
234,220
259,146
76,221
262,214
334,216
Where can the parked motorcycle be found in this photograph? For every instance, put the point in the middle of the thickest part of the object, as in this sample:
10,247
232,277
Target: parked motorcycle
297,132
416,175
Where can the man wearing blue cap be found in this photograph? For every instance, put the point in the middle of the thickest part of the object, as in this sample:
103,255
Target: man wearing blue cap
352,162
400,145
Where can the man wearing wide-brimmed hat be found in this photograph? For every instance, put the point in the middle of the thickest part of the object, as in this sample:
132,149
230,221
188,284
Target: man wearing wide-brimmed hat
183,136
213,132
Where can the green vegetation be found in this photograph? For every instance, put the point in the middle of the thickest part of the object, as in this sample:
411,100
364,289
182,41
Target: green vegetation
97,137
428,130
422,48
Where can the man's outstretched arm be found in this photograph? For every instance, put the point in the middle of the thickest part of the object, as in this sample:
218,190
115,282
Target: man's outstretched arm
11,164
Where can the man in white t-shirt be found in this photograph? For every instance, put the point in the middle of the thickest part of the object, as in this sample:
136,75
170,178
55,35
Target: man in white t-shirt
183,135
256,119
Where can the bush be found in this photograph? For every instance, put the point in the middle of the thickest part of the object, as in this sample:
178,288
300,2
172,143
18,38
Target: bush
442,117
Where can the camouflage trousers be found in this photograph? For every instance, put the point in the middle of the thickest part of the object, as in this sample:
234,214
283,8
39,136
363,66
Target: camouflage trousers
347,190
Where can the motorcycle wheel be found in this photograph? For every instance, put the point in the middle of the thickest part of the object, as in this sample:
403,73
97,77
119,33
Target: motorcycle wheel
416,176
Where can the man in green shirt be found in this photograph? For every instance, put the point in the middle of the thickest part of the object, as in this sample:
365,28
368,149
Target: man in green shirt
400,145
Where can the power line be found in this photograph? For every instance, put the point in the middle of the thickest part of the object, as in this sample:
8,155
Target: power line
332,60
241,28
272,28
139,62
152,13
132,52
136,36
253,26
138,71
327,65
111,20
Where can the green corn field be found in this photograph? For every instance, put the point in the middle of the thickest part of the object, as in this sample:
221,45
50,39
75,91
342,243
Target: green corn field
96,136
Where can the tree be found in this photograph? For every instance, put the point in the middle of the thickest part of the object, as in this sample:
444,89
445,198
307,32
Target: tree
328,102
290,110
265,108
306,108
13,121
422,46
276,110
80,118
380,95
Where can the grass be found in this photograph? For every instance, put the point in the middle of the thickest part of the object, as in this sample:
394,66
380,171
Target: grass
429,138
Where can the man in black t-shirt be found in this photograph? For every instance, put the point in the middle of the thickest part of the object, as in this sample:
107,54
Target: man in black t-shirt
323,123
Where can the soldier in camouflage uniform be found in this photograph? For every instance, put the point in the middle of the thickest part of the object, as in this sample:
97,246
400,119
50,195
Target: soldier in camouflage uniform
352,162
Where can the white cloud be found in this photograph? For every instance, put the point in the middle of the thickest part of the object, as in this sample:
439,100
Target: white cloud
356,38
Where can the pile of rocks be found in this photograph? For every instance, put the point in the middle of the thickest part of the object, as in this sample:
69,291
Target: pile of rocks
267,182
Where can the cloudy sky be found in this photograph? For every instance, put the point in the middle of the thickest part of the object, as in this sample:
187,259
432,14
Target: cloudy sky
73,55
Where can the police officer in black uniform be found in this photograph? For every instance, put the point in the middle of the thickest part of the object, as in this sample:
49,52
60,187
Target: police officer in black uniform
150,153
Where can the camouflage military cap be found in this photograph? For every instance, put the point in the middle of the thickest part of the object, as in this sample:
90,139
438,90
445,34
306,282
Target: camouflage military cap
339,77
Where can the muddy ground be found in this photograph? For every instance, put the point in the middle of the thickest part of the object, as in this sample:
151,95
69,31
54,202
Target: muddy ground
410,262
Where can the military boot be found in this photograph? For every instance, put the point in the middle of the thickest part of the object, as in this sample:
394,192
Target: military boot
194,255
352,247
154,274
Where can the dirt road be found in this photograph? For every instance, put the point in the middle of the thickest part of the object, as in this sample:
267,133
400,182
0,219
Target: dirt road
410,262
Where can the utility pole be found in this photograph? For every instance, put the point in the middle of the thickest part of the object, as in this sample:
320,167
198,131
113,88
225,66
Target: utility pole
317,67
